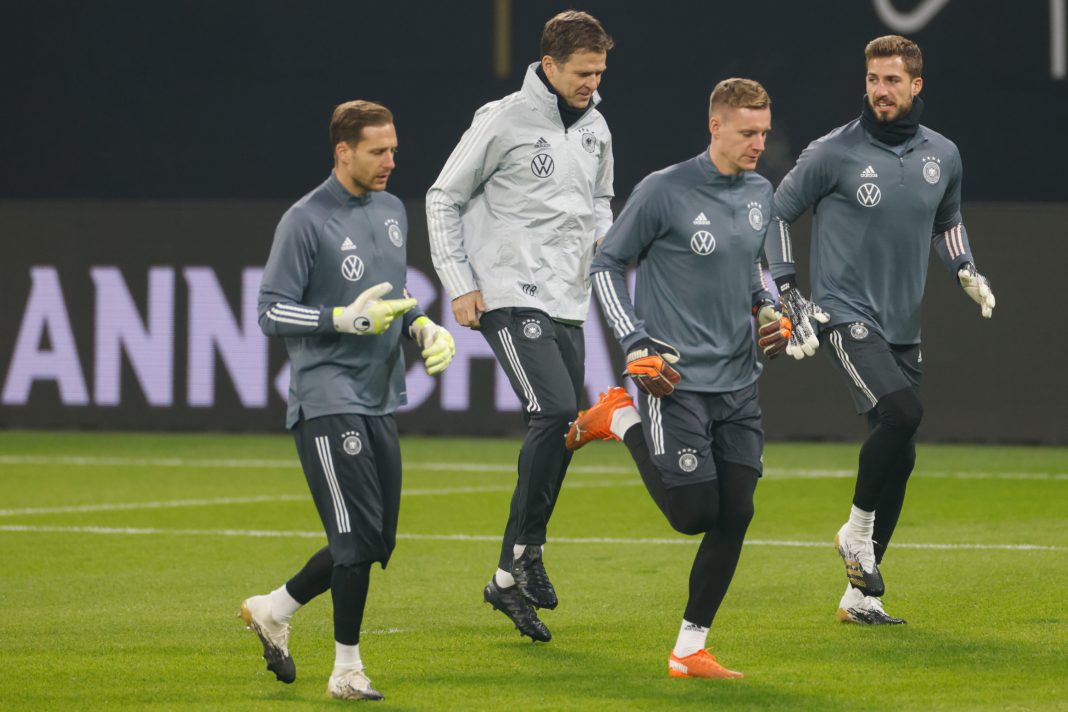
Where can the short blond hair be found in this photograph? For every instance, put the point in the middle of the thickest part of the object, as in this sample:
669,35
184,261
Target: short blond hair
738,93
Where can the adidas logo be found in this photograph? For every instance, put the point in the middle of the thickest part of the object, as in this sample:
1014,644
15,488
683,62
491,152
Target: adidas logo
678,667
869,172
347,245
700,219
542,143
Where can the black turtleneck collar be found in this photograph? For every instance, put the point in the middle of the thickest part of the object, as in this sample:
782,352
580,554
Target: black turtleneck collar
894,132
568,114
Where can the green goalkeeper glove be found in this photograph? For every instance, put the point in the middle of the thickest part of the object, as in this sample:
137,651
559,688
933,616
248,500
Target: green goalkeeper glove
437,344
370,314
978,288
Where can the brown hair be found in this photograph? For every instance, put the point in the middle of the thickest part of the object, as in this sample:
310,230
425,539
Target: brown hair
349,119
897,46
573,31
738,94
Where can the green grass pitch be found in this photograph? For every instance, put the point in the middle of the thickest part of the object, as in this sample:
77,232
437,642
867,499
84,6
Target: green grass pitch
125,557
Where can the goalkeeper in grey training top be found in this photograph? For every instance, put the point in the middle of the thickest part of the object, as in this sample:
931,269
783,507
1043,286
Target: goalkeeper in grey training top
344,243
697,231
883,188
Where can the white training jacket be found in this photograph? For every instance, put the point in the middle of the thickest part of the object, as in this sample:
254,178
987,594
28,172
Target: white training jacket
519,205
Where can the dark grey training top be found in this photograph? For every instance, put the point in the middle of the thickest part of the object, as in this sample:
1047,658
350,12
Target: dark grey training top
328,248
697,235
876,210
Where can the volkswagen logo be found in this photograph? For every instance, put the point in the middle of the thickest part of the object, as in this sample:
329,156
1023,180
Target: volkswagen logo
542,165
702,242
352,268
868,195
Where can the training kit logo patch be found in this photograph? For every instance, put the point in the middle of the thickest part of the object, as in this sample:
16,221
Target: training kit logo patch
395,236
352,268
687,460
347,244
529,289
702,242
531,328
351,443
756,217
932,170
541,143
869,195
542,165
589,142
869,172
701,219
858,331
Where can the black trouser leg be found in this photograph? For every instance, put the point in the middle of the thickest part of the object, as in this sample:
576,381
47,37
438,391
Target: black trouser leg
891,500
313,579
348,586
897,416
721,547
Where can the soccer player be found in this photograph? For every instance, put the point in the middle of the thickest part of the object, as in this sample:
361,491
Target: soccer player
513,218
344,243
697,231
882,187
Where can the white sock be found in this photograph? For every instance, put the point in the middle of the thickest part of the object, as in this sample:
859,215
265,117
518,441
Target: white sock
346,657
862,523
691,638
504,579
283,606
622,420
518,550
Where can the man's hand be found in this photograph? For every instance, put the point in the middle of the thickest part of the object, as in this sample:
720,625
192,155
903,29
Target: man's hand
978,288
802,312
773,329
437,344
649,364
467,308
370,314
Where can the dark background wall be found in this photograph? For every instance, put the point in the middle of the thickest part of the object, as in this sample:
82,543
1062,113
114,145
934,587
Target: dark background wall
170,137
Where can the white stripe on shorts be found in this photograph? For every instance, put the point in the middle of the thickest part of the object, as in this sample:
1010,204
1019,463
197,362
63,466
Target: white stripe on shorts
517,368
836,341
656,425
322,444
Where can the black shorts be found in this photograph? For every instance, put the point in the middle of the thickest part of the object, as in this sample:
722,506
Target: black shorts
689,432
872,367
353,467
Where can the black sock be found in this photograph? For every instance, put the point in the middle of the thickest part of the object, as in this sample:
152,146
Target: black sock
313,579
348,586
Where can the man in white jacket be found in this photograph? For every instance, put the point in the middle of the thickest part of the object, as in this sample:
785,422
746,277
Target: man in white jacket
514,218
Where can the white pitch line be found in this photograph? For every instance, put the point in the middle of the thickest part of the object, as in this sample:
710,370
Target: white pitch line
121,506
135,531
487,468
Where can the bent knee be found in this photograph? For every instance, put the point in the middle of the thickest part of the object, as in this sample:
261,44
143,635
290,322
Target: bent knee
901,410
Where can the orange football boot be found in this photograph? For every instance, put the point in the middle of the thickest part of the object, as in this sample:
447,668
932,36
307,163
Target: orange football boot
700,664
596,423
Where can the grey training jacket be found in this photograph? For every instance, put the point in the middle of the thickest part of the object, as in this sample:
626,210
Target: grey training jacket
520,202
328,248
876,211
